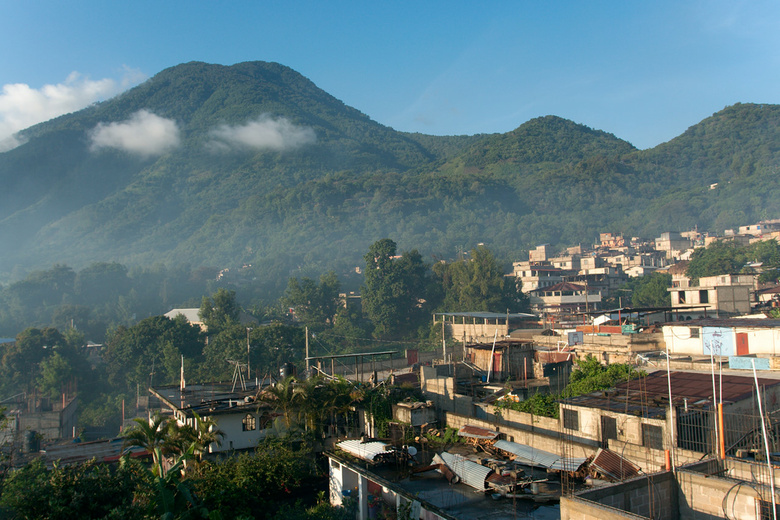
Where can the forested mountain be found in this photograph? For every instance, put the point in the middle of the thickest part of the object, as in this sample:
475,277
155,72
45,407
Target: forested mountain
252,163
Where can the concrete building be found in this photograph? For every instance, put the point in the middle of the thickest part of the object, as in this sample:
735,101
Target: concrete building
634,419
537,276
358,477
761,228
715,296
45,418
478,327
565,299
672,244
709,489
540,254
508,359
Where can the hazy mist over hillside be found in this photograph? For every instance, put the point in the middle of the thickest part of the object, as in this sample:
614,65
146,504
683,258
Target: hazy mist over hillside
211,165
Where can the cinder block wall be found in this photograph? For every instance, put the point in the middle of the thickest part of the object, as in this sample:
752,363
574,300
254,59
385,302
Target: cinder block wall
529,438
719,489
651,496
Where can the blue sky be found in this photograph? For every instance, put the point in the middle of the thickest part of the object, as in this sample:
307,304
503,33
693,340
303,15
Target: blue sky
644,71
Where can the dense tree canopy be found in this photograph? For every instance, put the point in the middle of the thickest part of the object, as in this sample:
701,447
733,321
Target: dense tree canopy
394,289
478,283
314,304
729,257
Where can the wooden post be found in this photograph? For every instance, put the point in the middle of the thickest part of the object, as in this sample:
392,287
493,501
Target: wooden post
722,430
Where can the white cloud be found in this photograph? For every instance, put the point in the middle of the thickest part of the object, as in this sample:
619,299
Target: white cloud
144,134
264,132
22,106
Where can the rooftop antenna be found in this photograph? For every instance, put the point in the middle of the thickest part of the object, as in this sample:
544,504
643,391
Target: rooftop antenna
238,374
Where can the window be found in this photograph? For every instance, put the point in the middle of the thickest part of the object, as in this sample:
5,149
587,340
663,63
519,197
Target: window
652,437
571,419
608,427
765,507
681,297
694,332
704,296
248,424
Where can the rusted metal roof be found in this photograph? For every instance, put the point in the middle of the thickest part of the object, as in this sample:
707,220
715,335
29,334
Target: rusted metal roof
475,432
563,287
613,466
649,396
695,386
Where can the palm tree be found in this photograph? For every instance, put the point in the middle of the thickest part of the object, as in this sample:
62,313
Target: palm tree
202,435
157,436
310,397
281,397
342,396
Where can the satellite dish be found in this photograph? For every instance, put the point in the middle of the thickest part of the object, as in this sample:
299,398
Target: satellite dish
412,451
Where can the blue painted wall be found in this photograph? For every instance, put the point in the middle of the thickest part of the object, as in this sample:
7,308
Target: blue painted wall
719,339
745,363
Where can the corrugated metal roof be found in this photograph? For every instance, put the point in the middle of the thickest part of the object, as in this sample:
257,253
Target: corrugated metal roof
649,396
531,456
468,471
568,463
728,323
364,450
694,386
475,432
528,455
487,315
610,464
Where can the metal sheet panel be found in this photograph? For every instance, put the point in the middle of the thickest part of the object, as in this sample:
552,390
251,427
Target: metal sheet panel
528,455
469,472
476,432
366,451
568,464
612,465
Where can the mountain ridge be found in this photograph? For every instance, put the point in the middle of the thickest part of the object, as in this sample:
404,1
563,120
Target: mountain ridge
319,204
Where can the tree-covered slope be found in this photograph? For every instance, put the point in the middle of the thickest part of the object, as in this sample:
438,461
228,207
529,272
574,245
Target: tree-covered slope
349,181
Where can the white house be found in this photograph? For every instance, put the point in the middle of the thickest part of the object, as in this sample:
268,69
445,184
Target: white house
243,421
723,337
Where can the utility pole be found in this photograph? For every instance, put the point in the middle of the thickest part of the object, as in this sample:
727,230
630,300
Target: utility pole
306,332
248,371
443,341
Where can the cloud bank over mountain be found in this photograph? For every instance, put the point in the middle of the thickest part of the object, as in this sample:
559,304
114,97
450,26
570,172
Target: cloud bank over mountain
264,132
144,134
22,106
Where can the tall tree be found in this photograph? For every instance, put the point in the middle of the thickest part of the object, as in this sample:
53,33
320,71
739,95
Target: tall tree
720,257
134,353
220,310
478,283
315,303
394,289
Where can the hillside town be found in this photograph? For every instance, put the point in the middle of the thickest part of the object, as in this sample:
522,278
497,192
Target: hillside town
493,424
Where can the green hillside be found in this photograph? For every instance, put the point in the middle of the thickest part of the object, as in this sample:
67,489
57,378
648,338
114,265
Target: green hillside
349,181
